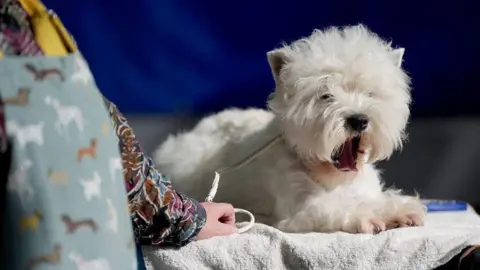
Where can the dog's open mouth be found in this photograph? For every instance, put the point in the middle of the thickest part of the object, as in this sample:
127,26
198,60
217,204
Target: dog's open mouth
345,158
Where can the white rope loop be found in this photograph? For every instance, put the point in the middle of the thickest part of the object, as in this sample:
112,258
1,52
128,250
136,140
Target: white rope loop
250,223
216,180
211,195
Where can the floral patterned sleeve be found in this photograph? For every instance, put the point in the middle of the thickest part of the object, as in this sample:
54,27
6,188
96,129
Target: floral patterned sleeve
160,215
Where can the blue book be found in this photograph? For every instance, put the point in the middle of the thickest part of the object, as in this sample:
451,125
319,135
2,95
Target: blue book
445,206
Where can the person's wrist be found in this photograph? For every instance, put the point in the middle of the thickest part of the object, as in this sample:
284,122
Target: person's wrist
198,219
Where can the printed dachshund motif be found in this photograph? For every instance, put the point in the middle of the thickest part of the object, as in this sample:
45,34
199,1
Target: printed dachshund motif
31,222
57,177
72,226
91,151
43,74
21,98
53,258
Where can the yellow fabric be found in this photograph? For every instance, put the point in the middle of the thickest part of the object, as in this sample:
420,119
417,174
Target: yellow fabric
62,31
33,6
50,34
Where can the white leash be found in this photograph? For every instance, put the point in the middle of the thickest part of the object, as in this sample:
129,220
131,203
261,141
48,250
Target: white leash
240,164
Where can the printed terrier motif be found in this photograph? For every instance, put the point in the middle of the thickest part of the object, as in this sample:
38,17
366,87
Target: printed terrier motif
88,151
82,264
31,222
26,134
57,177
72,226
66,116
115,165
17,182
43,74
82,74
91,187
52,258
112,223
21,98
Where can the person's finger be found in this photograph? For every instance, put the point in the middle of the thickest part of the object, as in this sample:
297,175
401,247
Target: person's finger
228,219
224,209
226,229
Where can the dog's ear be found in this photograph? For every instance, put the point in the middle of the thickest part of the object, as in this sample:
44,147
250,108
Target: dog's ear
277,59
397,56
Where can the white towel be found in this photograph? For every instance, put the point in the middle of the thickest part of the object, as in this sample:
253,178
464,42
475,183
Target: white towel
263,247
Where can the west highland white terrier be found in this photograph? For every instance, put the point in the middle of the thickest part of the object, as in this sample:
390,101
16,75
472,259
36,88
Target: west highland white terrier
341,103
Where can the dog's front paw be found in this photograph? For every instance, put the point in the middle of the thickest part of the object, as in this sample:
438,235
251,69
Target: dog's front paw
405,220
409,214
369,225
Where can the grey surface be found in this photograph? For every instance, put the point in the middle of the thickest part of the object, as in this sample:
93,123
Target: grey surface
441,160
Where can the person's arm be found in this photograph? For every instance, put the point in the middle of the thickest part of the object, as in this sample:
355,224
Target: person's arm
160,215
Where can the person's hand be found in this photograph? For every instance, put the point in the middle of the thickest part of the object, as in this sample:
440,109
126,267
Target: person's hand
220,220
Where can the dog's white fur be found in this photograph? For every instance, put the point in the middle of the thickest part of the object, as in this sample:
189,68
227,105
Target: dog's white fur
293,185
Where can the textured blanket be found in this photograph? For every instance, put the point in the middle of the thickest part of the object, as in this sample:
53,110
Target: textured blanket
263,247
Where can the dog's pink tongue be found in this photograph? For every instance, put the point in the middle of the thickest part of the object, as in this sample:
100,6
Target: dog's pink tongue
346,161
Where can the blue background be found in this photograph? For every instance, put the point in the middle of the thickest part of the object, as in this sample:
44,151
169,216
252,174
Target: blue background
199,56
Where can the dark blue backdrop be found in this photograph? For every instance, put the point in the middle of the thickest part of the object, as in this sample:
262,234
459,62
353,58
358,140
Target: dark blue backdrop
198,56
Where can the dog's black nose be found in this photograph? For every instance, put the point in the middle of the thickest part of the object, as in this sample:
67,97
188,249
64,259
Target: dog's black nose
358,122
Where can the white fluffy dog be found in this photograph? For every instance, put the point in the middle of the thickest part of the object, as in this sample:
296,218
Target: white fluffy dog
341,103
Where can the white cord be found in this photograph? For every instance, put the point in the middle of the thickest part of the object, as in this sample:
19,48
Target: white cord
240,164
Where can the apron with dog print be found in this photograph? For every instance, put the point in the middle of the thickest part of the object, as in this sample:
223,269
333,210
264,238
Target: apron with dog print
65,201
65,205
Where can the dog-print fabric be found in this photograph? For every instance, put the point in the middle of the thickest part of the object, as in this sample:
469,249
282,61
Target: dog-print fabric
171,217
160,214
66,205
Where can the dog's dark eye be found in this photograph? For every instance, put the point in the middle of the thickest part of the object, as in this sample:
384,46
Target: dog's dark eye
370,94
326,96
